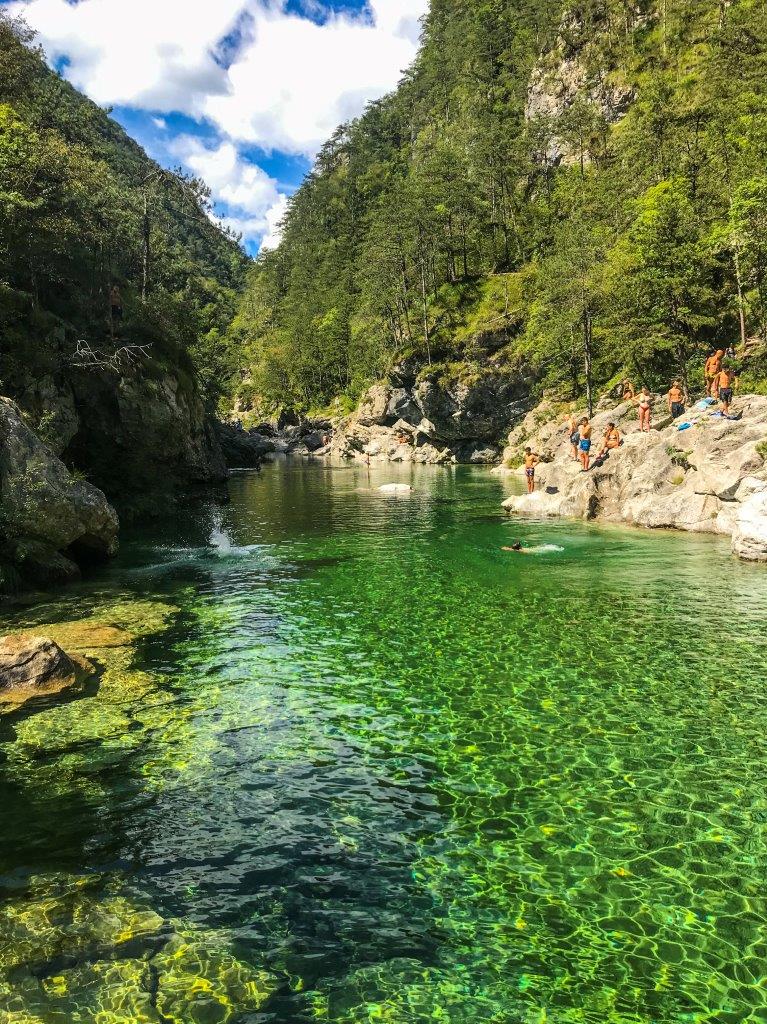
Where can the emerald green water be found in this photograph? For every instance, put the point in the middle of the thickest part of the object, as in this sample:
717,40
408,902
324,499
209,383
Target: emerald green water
373,769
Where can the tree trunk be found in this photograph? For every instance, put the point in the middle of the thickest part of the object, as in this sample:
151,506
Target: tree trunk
425,313
145,261
587,340
741,301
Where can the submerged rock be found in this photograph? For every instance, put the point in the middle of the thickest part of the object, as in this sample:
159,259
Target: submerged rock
33,667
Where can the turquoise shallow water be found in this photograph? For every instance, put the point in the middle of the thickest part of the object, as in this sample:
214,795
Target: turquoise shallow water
377,769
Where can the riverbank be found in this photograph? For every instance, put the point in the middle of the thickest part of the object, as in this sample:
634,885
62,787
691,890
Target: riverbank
700,473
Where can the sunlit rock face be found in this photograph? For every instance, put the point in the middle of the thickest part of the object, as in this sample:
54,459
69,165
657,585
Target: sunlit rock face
702,473
35,667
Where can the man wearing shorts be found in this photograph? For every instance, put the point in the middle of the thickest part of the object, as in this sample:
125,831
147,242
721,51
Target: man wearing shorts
725,382
585,444
675,399
531,461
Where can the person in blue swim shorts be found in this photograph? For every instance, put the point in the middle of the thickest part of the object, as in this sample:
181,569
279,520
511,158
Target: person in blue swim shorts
585,443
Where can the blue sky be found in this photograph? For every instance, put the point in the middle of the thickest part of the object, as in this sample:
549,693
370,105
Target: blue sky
240,92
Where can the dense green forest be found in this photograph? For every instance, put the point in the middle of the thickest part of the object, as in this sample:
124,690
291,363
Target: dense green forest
579,188
82,208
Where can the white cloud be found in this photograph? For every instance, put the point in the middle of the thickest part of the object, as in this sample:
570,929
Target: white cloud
294,81
245,196
250,69
290,83
274,229
149,54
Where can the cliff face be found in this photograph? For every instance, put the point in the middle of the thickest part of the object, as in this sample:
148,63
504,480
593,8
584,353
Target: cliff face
50,521
575,84
85,216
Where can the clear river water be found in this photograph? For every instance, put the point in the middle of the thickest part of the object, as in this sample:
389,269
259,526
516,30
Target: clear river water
347,761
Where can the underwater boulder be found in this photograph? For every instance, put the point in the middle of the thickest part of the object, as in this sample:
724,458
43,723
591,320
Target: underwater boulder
33,667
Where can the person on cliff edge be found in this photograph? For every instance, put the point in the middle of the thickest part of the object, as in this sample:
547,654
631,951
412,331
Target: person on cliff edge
585,444
531,461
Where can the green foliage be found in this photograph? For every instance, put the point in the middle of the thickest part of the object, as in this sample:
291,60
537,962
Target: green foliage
447,225
83,208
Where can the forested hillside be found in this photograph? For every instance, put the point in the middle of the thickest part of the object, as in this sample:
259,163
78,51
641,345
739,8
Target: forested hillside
576,188
82,210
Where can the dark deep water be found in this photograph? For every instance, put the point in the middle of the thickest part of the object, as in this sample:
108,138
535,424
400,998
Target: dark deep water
359,765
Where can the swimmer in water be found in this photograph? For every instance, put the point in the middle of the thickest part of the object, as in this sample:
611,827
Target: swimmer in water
517,546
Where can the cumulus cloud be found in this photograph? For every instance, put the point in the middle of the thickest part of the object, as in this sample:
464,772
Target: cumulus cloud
150,54
244,194
293,81
289,82
248,71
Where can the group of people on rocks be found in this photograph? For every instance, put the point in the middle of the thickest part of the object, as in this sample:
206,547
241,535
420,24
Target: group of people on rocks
721,380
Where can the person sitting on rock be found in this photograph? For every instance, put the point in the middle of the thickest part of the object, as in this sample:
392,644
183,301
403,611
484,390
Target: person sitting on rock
726,381
531,461
629,394
612,441
675,400
585,443
571,426
711,371
644,406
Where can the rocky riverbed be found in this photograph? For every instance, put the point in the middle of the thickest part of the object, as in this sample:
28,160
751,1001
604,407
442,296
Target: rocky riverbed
701,472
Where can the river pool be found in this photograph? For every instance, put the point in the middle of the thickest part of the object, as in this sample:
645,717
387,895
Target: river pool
348,761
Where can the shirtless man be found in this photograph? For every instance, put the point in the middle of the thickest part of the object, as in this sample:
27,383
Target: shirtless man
711,371
675,400
571,426
726,381
531,461
585,443
612,440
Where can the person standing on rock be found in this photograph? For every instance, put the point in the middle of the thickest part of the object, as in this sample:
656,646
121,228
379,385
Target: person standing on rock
585,444
675,400
726,380
711,371
531,461
571,425
644,405
115,303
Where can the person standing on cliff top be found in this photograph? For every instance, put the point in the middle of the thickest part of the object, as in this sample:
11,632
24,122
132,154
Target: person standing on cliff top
644,406
585,444
711,371
571,426
675,400
531,461
726,381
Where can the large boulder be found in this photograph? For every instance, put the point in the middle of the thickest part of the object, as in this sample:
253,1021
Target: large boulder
242,448
34,667
50,519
